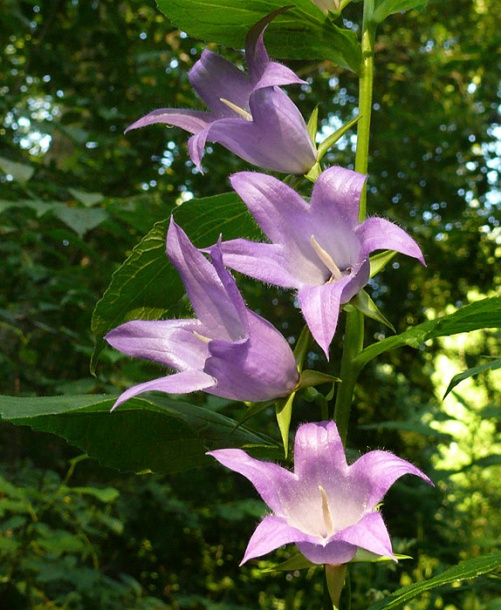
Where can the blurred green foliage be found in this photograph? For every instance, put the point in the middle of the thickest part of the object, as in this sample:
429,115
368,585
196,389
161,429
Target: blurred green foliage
77,196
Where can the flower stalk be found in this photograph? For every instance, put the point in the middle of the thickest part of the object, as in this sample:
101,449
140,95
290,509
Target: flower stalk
354,335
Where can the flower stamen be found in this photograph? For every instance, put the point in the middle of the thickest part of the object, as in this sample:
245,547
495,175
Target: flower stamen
326,258
326,512
243,113
201,337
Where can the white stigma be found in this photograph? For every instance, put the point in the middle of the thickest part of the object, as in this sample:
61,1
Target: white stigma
325,257
243,113
326,512
201,337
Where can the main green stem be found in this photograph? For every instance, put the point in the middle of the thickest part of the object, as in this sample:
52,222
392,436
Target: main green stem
354,334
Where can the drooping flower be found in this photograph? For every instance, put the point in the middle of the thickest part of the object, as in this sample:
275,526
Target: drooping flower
326,507
227,350
248,113
318,248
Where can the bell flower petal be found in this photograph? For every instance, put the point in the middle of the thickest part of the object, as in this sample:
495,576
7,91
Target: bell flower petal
227,350
274,139
325,506
248,113
319,248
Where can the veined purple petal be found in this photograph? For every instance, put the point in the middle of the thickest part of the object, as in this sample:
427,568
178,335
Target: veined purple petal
369,533
224,314
326,507
277,75
261,368
334,552
276,207
381,234
336,197
192,121
274,113
179,383
320,306
376,471
272,533
169,342
215,78
318,449
263,72
265,262
276,139
267,478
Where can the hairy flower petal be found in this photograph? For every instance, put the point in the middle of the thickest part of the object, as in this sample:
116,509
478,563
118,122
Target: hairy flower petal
325,506
228,350
249,114
318,248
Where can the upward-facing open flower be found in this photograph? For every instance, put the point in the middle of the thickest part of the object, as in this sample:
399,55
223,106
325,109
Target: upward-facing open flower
318,248
248,113
329,509
228,350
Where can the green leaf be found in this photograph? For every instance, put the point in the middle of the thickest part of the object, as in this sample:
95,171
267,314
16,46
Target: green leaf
80,220
284,414
471,568
329,141
363,302
302,32
103,494
379,261
85,198
493,365
481,314
147,285
309,378
385,8
157,435
19,171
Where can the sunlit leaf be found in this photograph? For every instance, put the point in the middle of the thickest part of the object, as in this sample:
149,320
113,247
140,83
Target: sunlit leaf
493,365
19,171
385,8
464,571
481,314
302,32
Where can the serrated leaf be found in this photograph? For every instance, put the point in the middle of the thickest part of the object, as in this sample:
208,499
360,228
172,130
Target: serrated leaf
481,314
385,8
302,32
147,285
472,568
157,435
493,365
